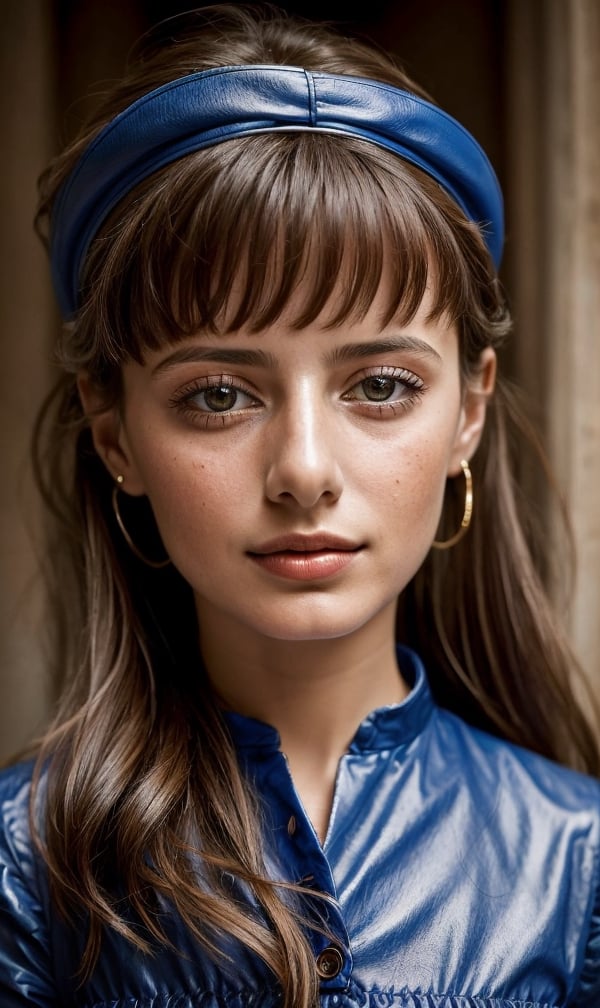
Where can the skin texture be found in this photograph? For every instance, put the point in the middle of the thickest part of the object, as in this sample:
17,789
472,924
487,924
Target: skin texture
316,431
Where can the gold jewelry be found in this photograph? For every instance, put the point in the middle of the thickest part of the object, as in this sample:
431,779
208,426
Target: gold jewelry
468,512
157,564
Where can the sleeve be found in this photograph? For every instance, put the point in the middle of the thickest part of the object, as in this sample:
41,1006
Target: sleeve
25,966
587,994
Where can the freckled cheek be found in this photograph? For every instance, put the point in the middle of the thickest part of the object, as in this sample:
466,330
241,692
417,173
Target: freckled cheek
192,496
410,486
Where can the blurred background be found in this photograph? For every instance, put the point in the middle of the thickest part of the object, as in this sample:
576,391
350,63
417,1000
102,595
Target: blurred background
522,75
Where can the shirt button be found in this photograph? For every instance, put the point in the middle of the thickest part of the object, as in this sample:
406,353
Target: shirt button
329,963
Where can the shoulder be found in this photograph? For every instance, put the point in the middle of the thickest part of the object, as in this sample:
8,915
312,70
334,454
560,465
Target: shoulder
538,817
15,791
534,782
24,911
15,780
16,848
19,856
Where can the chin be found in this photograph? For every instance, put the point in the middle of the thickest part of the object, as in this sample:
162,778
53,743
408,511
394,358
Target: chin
306,626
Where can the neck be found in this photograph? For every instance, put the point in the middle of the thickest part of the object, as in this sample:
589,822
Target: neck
315,693
285,682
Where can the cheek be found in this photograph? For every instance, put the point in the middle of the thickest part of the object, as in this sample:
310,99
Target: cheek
193,498
418,500
407,495
413,474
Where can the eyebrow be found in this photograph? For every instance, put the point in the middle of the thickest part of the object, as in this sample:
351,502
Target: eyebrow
219,354
353,351
261,358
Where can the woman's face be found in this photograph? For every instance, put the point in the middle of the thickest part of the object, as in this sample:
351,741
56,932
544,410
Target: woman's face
297,477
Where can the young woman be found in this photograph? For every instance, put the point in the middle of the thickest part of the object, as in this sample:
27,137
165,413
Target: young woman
314,699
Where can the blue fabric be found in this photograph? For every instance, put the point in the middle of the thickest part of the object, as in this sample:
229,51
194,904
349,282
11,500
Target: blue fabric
206,108
463,871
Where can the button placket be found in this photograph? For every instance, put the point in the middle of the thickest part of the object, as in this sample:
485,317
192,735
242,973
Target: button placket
300,849
299,855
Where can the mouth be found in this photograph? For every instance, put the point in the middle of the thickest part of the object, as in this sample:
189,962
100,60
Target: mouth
298,543
305,558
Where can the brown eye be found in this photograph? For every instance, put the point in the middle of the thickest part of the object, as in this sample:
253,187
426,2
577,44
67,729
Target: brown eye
378,388
220,398
386,391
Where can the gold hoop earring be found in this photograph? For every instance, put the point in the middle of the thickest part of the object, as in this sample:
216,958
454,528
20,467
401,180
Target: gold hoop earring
157,564
467,514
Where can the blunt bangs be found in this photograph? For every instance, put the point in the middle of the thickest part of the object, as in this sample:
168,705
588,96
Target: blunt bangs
225,238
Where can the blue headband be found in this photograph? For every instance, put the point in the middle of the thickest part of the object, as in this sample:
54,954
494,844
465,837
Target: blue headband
206,108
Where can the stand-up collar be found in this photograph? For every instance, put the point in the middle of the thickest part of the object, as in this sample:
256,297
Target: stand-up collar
384,728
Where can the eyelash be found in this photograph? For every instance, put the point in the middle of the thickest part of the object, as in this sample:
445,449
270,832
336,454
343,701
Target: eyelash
182,400
413,386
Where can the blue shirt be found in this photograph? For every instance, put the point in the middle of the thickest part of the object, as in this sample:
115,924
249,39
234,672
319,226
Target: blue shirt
463,873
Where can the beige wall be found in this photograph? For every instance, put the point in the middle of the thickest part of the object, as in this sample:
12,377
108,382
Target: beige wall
553,132
573,316
531,95
26,318
43,77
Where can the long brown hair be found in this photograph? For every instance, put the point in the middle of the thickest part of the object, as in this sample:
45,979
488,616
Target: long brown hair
141,770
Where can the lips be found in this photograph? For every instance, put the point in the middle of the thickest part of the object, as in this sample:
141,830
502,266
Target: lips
299,557
299,543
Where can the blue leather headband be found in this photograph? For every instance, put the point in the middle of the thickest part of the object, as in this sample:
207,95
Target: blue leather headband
206,108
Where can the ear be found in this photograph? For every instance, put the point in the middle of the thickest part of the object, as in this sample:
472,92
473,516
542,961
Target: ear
477,392
109,436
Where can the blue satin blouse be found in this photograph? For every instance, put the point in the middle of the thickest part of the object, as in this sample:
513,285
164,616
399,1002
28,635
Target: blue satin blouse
463,871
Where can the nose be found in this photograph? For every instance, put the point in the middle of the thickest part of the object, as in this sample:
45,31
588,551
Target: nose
304,466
